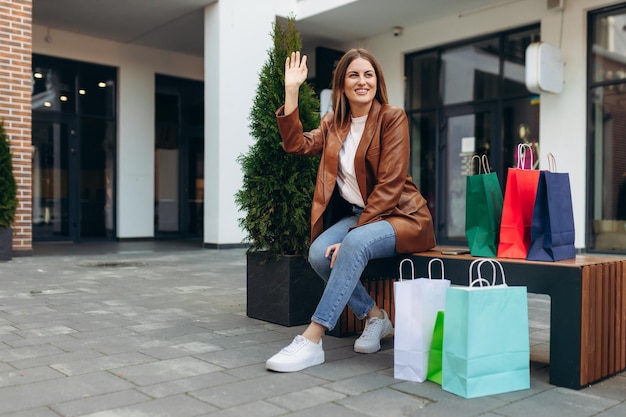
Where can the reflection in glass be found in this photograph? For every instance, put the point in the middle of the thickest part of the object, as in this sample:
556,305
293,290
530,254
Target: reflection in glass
468,135
423,81
609,48
471,72
607,105
50,181
97,158
514,51
609,126
423,155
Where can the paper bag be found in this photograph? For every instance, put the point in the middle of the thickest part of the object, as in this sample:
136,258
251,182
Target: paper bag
517,209
552,232
483,210
486,347
417,302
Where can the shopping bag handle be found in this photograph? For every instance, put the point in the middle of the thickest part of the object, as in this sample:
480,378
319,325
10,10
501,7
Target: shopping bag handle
522,150
551,162
430,275
480,280
412,268
483,164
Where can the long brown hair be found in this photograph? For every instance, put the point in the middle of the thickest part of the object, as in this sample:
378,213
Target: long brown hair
341,106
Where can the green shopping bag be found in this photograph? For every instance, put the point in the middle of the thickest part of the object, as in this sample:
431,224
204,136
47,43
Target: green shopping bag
483,210
436,351
486,347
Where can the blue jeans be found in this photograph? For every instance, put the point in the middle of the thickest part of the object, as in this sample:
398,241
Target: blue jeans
343,284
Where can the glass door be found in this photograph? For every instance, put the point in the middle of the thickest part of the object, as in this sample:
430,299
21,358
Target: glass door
55,208
465,135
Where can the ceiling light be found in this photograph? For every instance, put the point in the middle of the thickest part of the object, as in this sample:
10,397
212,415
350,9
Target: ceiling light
47,104
38,75
102,84
63,98
82,92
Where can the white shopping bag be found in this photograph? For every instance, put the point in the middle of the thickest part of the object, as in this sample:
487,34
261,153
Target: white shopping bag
417,302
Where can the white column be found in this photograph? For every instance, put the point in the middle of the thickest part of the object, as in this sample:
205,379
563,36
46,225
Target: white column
135,180
237,39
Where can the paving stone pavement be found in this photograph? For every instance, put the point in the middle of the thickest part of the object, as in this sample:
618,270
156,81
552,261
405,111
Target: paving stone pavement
160,329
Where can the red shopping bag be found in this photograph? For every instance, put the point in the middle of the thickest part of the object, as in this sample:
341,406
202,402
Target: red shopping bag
517,208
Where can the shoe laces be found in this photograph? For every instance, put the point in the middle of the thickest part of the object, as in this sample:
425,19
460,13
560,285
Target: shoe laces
298,343
369,332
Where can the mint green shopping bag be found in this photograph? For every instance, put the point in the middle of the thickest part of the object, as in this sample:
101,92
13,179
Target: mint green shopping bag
485,343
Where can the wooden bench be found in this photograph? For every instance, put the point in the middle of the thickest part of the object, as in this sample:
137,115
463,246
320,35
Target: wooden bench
587,315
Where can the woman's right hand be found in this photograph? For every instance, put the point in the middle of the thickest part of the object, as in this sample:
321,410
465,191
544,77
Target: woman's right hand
296,70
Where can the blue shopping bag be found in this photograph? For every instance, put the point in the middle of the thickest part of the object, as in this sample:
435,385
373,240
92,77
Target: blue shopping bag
486,346
552,228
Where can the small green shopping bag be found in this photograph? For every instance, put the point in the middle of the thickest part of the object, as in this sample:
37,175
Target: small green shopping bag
436,351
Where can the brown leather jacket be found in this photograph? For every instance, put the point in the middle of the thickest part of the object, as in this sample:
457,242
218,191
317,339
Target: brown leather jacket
381,164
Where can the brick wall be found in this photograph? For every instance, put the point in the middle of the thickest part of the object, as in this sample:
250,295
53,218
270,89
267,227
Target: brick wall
15,109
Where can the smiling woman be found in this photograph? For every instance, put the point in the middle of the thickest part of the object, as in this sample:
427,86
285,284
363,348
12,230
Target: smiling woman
365,204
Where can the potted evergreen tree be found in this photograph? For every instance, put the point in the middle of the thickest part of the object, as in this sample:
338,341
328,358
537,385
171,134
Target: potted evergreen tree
8,199
276,198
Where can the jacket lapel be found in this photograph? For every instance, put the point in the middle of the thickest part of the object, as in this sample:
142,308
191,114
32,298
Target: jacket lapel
371,127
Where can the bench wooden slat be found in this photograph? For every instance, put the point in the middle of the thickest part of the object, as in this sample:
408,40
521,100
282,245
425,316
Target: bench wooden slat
587,330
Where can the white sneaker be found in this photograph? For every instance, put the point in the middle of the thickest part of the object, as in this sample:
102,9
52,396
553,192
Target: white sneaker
375,330
300,354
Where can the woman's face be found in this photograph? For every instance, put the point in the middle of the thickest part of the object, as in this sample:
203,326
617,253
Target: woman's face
359,86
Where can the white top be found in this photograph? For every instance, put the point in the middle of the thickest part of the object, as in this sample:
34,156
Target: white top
346,178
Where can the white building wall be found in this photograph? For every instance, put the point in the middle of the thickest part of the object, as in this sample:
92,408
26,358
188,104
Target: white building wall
237,40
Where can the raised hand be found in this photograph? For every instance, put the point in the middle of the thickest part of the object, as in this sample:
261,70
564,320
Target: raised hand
295,70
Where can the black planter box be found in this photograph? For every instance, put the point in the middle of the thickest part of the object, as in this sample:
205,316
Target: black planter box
283,291
6,244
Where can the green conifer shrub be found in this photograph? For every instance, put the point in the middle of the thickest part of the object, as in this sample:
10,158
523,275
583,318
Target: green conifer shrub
277,188
8,188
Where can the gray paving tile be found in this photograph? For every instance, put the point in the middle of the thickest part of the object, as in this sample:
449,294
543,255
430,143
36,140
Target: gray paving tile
559,401
256,409
617,411
174,406
272,385
183,385
26,376
33,412
98,403
160,371
42,393
377,403
306,398
102,363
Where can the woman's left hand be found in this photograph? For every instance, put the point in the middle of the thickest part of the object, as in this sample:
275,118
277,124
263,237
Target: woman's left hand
332,251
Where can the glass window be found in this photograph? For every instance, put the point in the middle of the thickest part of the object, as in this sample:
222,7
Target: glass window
422,76
514,57
465,99
607,110
96,90
423,148
471,72
609,47
53,88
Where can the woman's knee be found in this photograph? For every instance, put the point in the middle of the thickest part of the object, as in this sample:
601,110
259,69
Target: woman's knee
318,260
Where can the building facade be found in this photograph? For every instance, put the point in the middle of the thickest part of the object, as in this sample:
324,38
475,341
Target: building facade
133,159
